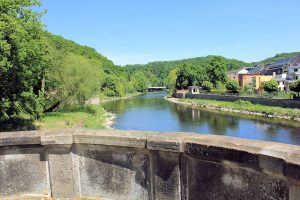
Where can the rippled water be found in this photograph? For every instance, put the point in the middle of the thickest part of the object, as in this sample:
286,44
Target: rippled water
152,112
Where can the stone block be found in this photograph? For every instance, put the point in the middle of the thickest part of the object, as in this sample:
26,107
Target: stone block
113,172
165,175
271,164
23,171
218,154
295,192
166,142
209,180
133,139
61,173
20,138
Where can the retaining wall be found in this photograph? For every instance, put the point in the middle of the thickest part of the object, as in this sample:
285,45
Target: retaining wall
112,164
286,103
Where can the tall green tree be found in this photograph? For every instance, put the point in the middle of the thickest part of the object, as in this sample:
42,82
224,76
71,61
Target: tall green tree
185,76
140,82
216,69
22,58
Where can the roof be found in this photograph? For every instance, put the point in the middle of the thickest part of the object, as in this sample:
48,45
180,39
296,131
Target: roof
257,69
239,71
193,86
295,60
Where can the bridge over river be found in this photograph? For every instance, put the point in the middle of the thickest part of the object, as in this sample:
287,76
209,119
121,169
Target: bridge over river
129,165
156,89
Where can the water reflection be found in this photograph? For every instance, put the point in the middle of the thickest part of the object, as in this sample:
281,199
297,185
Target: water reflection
151,112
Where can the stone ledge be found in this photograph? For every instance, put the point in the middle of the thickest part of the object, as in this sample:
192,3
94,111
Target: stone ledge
173,142
20,138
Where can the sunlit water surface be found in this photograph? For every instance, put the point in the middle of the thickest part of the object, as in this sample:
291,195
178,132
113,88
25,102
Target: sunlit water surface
151,112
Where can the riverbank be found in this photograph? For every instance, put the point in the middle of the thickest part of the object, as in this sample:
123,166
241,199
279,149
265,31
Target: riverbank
88,116
92,115
241,107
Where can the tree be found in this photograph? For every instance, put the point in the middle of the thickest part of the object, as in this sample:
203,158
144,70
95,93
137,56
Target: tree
216,69
207,86
171,79
271,86
295,87
232,85
140,82
22,58
185,77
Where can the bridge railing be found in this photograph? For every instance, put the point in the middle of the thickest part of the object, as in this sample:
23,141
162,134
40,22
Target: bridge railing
113,164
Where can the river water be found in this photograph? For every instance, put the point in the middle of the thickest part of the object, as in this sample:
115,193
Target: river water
151,112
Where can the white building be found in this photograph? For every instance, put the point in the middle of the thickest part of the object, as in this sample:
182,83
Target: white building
293,72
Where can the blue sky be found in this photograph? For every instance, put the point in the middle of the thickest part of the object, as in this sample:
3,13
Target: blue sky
139,31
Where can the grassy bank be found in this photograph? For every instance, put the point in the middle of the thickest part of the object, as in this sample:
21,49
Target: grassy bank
89,116
244,107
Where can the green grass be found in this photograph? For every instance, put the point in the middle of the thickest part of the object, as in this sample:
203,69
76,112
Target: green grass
247,106
91,116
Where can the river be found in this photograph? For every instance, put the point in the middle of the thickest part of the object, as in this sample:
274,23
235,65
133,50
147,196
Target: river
151,112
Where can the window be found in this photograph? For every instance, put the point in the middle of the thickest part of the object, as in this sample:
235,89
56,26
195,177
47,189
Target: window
295,70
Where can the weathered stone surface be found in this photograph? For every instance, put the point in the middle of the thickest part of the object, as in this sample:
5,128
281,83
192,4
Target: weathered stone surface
113,173
112,164
111,137
271,164
19,138
61,173
166,175
219,154
166,142
23,171
209,180
57,140
295,192
286,103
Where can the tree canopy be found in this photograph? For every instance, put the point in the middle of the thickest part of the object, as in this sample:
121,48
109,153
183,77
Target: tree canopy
23,60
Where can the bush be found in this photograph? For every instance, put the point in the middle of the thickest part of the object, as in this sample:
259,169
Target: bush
207,86
232,85
219,88
243,103
271,86
109,93
295,87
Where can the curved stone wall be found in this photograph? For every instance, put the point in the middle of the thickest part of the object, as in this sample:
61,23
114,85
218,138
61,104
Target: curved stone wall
112,164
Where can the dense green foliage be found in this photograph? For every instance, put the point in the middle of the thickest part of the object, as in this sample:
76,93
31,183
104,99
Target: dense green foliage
42,72
271,86
23,59
207,86
295,87
232,85
158,72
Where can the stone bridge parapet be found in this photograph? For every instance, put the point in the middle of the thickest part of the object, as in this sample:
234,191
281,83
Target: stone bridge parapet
114,164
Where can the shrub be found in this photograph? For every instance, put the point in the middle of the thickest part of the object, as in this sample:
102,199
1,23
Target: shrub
207,86
295,87
271,86
232,85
